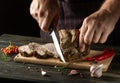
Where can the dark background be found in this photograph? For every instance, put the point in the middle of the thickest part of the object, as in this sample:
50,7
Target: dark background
16,19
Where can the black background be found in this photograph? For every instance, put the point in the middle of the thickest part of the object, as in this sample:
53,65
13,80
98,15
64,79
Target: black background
16,19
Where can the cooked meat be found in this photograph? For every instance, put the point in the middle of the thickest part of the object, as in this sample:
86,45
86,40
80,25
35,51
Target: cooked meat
25,51
51,49
38,50
46,50
69,42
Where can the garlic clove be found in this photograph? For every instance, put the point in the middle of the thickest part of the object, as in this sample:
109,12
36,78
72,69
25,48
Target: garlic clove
96,70
73,72
43,72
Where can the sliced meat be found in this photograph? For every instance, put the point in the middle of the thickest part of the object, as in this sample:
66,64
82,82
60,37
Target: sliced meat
51,49
46,50
38,50
25,51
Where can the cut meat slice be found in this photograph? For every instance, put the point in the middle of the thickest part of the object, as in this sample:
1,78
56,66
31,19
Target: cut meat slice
51,49
25,51
46,50
38,50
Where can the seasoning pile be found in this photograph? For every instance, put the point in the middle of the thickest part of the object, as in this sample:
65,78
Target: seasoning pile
10,49
7,51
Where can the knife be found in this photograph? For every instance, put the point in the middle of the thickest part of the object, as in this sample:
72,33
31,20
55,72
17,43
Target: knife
56,43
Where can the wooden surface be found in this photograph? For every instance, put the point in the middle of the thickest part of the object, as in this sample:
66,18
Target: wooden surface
56,62
26,72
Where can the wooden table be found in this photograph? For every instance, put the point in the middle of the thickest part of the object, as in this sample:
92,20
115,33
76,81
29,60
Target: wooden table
12,71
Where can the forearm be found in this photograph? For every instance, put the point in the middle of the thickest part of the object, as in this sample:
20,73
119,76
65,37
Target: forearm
112,6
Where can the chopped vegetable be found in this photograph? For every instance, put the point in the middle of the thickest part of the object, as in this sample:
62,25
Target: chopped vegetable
10,49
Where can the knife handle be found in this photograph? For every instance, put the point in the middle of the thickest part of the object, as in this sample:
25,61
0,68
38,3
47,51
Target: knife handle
51,29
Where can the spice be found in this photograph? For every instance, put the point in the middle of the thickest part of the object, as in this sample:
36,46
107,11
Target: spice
10,49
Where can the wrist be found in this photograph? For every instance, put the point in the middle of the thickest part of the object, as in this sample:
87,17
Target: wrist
113,15
112,7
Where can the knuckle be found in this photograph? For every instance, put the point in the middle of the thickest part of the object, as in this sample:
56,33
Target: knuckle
44,14
48,13
90,20
33,13
41,13
86,19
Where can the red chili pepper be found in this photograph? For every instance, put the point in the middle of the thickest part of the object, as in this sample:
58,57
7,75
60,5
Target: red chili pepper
106,54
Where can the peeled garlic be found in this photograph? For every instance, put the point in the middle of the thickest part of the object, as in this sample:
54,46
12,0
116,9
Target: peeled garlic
43,72
96,70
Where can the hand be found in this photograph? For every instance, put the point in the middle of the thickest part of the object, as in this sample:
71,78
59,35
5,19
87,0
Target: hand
96,28
45,12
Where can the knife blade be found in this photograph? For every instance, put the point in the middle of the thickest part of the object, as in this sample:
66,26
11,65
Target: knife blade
56,43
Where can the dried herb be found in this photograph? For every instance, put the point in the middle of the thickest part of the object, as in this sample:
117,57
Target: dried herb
4,57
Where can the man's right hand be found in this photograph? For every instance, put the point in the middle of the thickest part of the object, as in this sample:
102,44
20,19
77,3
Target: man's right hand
45,12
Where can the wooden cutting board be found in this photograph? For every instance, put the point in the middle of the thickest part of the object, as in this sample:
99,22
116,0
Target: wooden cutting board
56,62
